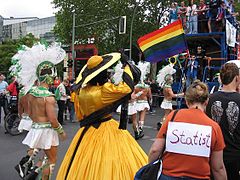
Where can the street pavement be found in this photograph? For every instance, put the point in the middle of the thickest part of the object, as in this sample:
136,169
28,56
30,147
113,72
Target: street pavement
12,150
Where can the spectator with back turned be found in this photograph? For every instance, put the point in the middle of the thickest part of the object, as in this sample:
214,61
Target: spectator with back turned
190,143
224,108
62,100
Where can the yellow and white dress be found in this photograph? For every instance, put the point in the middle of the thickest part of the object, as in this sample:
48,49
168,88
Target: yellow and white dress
106,152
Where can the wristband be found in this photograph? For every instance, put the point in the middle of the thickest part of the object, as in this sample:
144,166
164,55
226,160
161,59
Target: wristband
59,129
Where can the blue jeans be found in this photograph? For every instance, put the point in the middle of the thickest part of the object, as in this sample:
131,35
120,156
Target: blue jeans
193,24
164,177
72,111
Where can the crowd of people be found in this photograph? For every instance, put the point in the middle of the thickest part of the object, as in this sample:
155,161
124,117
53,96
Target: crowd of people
199,142
202,16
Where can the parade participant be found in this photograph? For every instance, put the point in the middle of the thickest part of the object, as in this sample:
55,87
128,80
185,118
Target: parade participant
39,62
190,141
3,91
23,111
165,80
143,94
223,107
102,148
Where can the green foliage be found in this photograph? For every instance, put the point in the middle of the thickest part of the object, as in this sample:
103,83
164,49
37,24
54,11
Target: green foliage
10,47
106,35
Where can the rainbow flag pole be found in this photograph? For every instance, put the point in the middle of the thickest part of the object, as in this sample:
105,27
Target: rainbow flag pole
163,43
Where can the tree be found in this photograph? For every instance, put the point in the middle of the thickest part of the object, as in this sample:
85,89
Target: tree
107,39
10,47
106,33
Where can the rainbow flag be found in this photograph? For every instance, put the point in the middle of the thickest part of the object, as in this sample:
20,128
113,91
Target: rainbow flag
163,43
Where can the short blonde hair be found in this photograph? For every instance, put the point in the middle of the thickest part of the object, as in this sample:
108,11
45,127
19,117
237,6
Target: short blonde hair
197,92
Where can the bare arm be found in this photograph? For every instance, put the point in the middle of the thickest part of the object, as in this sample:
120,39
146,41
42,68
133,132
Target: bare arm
149,94
156,149
174,95
217,166
50,110
20,108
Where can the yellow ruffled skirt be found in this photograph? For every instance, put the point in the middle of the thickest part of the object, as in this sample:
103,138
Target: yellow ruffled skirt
106,153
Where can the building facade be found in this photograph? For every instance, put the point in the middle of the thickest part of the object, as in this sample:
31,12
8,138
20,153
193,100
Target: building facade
15,28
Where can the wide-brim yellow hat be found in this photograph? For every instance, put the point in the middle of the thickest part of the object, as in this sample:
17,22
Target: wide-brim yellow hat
94,66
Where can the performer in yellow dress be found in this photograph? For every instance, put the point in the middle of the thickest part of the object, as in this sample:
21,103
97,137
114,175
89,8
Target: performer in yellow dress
102,149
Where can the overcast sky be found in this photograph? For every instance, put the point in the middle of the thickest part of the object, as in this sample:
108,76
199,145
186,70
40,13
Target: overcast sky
26,8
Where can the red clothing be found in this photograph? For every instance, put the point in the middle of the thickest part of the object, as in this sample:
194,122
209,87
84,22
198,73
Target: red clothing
56,83
202,7
181,165
12,88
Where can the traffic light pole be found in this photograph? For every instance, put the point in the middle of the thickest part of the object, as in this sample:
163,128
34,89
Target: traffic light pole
131,30
73,53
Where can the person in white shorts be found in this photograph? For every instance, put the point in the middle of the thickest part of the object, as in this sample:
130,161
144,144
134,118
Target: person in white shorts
26,122
168,96
142,105
39,62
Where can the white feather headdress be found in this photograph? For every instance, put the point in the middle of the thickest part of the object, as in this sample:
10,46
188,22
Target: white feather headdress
118,72
29,59
162,74
145,69
15,67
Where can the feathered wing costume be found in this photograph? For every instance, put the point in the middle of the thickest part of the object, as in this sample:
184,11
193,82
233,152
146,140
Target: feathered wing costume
164,73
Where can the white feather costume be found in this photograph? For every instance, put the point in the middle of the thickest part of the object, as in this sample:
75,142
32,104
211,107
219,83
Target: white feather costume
145,69
30,59
118,72
163,73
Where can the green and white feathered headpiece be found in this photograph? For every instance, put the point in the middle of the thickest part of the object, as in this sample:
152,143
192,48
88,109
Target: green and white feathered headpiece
164,73
37,63
15,67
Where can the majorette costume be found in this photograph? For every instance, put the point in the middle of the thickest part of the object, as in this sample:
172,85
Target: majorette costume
41,135
38,63
102,149
141,86
162,79
116,79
